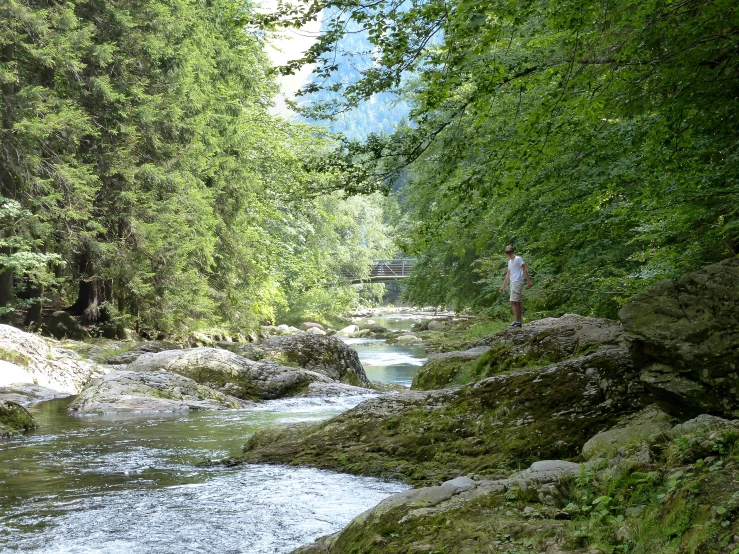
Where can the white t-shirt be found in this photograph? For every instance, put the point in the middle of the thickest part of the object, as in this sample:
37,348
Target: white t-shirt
515,266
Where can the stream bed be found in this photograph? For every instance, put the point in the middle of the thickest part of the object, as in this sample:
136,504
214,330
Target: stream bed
133,483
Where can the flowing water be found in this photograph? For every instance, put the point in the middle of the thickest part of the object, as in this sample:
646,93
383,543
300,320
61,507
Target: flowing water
134,483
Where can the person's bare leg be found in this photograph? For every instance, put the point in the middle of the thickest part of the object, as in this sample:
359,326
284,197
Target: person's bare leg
513,307
517,311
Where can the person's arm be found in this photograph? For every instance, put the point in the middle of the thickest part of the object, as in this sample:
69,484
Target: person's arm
526,272
505,281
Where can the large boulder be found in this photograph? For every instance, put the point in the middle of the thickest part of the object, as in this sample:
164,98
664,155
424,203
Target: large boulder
430,436
448,369
230,373
684,333
63,325
538,344
31,359
150,347
422,517
327,355
155,391
14,419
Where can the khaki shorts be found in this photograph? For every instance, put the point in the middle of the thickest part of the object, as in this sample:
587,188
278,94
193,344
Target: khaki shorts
516,291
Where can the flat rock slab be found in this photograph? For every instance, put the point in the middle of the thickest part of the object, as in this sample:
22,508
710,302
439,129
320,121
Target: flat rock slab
230,373
317,390
151,347
155,391
28,393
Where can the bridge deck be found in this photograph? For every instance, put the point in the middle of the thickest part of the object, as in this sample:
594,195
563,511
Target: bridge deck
384,270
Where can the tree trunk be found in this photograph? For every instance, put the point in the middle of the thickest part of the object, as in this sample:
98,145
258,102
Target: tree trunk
7,181
33,316
92,295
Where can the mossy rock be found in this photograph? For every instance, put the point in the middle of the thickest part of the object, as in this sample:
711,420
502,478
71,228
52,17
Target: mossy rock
627,433
448,369
230,373
497,423
63,325
14,419
539,344
685,333
327,355
657,504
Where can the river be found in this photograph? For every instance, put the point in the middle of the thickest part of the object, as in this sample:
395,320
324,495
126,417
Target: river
133,483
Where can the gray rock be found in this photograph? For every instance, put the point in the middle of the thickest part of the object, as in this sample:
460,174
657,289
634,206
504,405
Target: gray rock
48,366
230,373
155,391
327,355
704,425
629,431
685,334
437,325
348,330
315,331
63,325
135,353
28,393
310,325
408,339
460,484
550,470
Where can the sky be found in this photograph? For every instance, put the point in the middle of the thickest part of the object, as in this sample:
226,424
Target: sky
289,45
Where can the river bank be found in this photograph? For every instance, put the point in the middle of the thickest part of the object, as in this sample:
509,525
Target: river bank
569,435
136,482
572,434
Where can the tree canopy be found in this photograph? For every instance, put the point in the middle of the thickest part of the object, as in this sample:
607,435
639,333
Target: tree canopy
144,179
600,138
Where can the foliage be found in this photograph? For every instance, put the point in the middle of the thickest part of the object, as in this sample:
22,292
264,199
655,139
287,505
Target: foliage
149,176
598,137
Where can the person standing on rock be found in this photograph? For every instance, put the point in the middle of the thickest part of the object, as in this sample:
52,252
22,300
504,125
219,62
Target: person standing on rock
516,271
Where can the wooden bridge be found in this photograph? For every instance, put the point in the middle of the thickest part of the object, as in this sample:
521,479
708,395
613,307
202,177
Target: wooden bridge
384,270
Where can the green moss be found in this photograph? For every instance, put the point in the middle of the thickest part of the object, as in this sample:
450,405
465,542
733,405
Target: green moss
14,357
14,418
440,372
486,429
629,507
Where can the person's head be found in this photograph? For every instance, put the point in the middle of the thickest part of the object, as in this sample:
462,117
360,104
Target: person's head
510,251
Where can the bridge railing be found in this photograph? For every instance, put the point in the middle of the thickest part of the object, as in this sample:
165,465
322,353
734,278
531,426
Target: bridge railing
398,268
